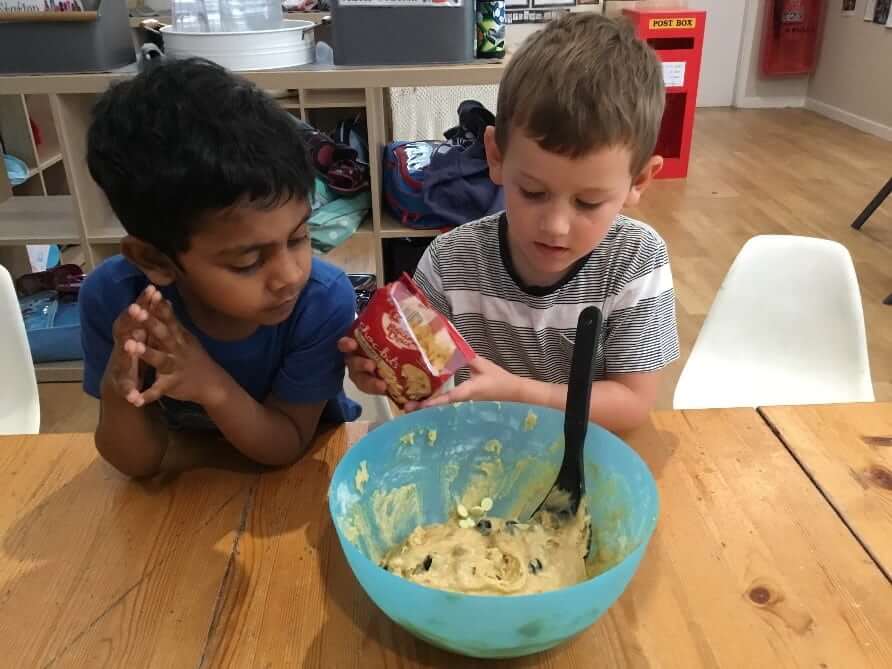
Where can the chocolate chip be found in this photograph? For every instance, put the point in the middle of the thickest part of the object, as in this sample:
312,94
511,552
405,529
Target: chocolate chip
535,566
428,561
484,526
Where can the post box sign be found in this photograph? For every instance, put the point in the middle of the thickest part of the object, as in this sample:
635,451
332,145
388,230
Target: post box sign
673,23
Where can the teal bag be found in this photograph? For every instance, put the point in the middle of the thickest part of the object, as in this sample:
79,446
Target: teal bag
335,220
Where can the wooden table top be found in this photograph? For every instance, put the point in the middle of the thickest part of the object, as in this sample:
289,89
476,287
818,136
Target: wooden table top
219,565
847,450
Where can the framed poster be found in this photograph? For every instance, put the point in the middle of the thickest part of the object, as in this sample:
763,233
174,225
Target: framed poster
881,12
48,10
32,6
869,10
544,15
402,3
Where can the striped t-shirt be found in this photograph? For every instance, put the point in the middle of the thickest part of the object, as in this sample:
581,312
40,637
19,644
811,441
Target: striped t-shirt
529,331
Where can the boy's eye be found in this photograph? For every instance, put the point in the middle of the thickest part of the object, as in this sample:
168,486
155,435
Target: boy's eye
588,206
246,269
532,195
297,241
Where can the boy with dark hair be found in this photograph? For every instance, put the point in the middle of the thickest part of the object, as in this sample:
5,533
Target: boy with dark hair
579,111
216,315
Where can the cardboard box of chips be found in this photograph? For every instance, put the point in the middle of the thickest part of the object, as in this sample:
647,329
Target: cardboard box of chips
415,348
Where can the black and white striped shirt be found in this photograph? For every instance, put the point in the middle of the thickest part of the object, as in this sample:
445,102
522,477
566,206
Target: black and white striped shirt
529,331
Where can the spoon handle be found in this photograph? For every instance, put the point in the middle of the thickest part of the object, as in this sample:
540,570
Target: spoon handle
579,390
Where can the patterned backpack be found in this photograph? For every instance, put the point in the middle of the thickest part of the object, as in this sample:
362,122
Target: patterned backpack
405,169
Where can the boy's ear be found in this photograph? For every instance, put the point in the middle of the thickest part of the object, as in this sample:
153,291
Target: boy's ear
493,155
643,180
160,269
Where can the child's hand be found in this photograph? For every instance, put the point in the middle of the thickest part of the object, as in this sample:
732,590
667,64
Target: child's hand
124,373
361,369
488,382
183,369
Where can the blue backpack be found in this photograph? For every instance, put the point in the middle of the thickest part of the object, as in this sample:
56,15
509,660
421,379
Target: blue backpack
405,169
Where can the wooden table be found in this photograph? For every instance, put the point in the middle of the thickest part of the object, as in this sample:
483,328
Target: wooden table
219,565
847,451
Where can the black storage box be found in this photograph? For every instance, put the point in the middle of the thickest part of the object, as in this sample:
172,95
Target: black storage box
46,47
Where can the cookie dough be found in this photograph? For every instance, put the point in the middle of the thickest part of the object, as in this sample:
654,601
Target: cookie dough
495,556
362,476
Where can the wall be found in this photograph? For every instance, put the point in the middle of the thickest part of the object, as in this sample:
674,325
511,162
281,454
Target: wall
721,50
751,89
721,47
852,82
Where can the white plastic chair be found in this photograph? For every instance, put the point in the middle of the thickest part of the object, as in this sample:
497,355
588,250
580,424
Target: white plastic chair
375,408
19,402
786,328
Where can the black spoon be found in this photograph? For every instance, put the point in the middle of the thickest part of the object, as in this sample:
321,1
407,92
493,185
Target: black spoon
568,490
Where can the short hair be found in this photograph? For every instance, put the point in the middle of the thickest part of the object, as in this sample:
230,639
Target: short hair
583,82
186,138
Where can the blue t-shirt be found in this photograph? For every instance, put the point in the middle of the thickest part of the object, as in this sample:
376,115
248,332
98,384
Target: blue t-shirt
297,360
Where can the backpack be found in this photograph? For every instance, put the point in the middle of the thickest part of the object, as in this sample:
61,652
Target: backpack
335,219
405,169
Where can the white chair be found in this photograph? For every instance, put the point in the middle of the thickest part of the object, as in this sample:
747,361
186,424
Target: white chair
19,402
375,408
786,327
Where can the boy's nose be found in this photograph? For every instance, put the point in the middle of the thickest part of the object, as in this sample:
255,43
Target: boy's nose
556,222
285,272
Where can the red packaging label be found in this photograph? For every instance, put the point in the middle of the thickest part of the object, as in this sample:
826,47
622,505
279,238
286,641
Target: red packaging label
414,347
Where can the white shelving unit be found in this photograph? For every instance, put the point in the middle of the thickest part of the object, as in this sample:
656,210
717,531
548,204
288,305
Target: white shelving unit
61,204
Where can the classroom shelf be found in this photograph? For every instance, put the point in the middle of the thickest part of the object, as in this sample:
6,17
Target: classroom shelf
332,98
110,231
60,372
291,102
38,220
48,158
391,228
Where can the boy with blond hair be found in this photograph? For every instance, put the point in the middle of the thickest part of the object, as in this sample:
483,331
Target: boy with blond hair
579,111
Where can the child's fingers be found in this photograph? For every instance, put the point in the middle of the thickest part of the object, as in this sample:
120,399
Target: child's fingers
134,397
371,385
347,345
138,311
368,383
152,296
161,331
126,322
163,310
158,359
460,393
148,296
133,340
357,365
439,400
127,384
153,394
127,381
480,365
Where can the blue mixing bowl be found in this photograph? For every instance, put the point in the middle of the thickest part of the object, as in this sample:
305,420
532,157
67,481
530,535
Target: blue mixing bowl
419,465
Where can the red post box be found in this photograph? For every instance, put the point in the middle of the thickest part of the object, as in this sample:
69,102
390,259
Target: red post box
677,37
791,36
